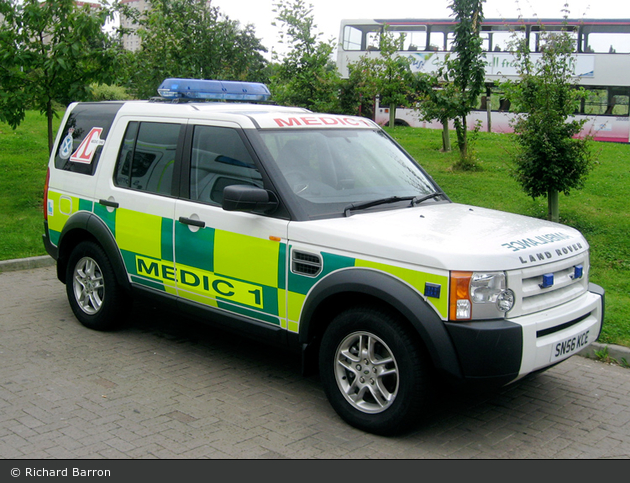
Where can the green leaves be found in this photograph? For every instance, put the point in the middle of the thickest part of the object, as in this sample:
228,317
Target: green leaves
305,76
387,75
188,38
550,159
51,52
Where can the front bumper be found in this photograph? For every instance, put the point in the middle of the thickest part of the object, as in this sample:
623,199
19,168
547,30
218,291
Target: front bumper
501,351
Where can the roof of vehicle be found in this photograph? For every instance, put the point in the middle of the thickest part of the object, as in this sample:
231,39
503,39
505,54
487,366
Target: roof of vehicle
246,115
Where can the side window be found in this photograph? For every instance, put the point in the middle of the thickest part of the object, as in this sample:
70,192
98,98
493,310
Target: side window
84,135
147,157
219,158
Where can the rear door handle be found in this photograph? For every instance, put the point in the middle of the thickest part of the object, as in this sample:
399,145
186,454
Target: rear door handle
112,204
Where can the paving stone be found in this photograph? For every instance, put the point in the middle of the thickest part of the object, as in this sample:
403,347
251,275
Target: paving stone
165,389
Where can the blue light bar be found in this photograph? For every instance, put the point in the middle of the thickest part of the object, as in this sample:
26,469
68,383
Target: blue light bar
213,90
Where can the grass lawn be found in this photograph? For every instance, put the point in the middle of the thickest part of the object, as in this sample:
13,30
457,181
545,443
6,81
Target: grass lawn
23,163
599,210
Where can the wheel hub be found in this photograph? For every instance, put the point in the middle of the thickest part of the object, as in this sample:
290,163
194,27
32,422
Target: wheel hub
88,285
366,372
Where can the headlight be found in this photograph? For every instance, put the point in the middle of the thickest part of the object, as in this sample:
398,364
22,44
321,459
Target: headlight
479,295
505,300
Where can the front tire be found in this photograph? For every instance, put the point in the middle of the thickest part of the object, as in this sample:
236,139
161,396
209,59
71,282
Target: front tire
95,296
373,371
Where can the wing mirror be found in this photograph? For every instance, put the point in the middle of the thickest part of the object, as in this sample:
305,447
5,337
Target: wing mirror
248,198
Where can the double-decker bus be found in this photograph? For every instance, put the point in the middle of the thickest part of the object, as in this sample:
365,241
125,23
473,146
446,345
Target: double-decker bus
601,61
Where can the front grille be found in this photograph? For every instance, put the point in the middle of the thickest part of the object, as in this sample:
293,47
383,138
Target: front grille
528,285
306,264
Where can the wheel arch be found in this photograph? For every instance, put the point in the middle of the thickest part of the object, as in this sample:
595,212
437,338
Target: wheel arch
85,226
360,286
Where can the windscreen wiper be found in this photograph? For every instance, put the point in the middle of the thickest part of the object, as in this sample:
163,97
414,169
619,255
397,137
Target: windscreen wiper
420,199
370,204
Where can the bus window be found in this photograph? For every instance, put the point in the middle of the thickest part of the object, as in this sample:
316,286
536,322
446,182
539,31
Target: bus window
607,43
498,102
539,37
450,39
620,102
503,41
486,41
596,101
352,38
373,40
606,102
415,37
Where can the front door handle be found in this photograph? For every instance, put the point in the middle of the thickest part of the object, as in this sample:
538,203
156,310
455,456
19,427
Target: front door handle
190,221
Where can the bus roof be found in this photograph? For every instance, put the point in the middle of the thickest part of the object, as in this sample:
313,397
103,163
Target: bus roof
599,22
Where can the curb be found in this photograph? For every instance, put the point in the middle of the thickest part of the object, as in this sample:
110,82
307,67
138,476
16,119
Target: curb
615,353
26,263
609,353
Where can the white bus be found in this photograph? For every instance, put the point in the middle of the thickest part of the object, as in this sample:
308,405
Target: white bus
602,65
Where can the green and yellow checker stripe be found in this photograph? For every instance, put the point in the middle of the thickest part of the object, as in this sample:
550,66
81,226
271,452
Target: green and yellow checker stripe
299,285
60,208
238,273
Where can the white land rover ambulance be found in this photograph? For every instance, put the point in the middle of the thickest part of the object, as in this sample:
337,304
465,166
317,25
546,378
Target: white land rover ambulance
312,231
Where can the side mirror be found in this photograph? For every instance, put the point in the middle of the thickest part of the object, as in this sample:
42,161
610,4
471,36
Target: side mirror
248,198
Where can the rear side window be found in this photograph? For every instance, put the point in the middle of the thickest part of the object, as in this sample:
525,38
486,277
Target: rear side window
83,137
147,157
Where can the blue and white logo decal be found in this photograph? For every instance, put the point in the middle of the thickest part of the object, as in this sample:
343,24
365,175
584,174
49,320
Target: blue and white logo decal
65,150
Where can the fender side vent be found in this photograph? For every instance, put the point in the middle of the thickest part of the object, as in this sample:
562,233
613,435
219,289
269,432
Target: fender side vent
306,264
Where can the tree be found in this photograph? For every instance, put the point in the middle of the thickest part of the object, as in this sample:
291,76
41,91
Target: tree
192,39
50,52
394,78
386,74
305,76
465,70
437,102
549,160
358,92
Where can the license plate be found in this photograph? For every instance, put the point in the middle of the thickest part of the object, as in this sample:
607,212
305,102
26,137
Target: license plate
570,346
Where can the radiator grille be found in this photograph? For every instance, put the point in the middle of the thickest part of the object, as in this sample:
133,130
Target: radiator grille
533,297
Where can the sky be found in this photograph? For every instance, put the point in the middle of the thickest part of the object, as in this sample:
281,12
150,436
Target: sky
328,13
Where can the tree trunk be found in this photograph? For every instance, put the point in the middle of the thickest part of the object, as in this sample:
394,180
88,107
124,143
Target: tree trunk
392,115
462,139
446,139
49,116
489,109
553,204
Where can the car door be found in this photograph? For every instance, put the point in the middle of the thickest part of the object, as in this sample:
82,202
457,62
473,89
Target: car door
233,262
137,202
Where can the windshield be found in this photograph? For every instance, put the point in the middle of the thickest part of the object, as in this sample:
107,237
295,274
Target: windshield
328,170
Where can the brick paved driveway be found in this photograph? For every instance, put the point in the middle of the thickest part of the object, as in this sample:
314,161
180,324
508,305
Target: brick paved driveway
168,388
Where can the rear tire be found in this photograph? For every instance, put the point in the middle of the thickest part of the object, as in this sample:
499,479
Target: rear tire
95,296
374,372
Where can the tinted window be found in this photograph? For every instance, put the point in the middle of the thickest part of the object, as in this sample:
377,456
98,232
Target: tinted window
147,157
83,136
219,158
